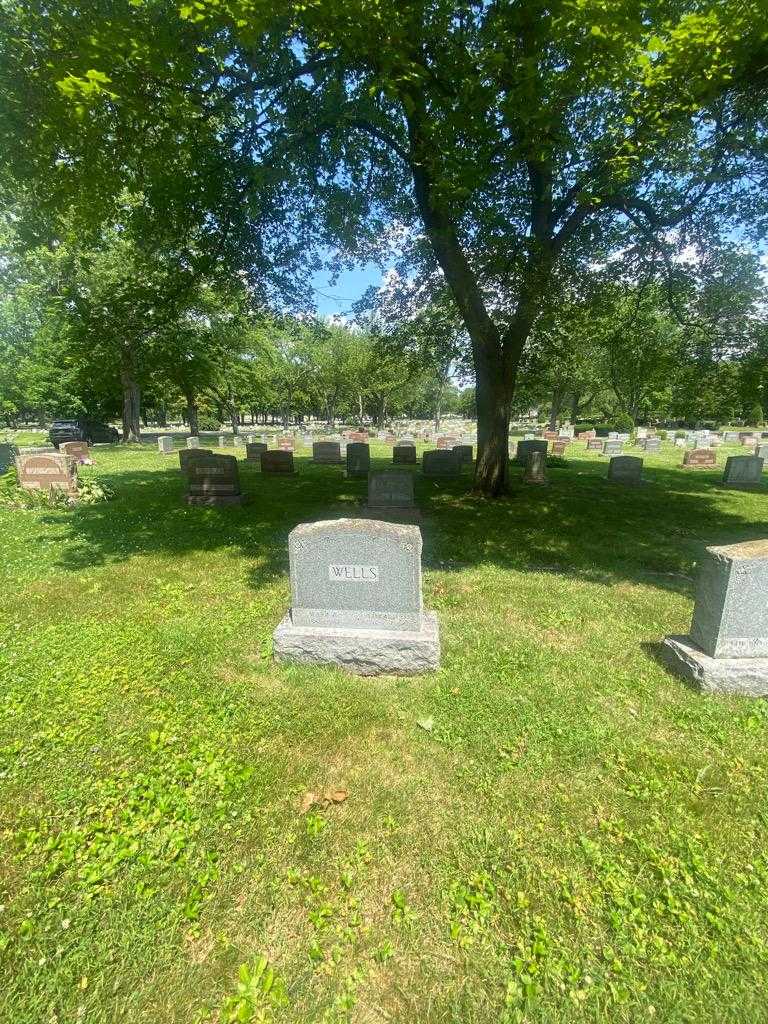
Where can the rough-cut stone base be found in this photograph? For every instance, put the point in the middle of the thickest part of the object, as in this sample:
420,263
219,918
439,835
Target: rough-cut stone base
363,652
391,515
215,499
745,676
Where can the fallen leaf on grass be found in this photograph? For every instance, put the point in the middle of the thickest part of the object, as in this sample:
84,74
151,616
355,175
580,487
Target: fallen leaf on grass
324,799
427,724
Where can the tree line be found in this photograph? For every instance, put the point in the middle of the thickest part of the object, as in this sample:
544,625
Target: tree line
539,171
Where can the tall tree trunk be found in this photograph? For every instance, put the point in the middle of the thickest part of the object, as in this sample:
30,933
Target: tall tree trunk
191,398
234,419
575,399
162,415
558,397
131,396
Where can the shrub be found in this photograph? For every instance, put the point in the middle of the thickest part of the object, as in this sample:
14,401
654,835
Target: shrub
756,415
207,422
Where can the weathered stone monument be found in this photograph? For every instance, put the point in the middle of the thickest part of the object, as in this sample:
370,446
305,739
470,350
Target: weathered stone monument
358,459
214,481
165,445
613,446
440,462
743,471
727,648
700,458
625,469
47,472
7,455
189,455
536,470
464,453
761,451
559,448
77,450
277,463
595,444
222,440
356,599
193,442
524,449
404,454
390,495
327,452
253,451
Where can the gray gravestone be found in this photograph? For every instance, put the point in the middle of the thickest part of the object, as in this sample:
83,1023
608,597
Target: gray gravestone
761,451
326,452
613,446
743,471
524,449
222,440
7,455
625,469
193,442
358,459
727,649
651,444
253,451
730,437
277,463
356,599
404,454
390,496
440,462
165,445
536,470
189,455
214,481
464,453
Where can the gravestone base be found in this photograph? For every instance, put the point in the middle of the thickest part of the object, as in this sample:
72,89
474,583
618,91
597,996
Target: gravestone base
389,514
215,499
747,677
363,652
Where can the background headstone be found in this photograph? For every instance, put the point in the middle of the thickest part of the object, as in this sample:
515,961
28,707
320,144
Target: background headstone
358,459
440,462
214,481
165,445
464,453
536,470
326,452
77,450
743,471
277,462
7,456
524,449
700,458
193,442
45,472
625,469
189,455
404,454
613,446
253,451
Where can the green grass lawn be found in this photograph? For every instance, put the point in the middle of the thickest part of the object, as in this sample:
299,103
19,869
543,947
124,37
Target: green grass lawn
550,829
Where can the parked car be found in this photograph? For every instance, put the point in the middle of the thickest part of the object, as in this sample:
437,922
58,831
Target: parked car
88,430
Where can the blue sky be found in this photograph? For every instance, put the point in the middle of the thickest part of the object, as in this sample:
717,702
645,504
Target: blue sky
338,298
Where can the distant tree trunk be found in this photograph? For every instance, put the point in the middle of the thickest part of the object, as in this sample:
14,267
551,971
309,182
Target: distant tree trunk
575,399
558,397
131,396
191,399
162,415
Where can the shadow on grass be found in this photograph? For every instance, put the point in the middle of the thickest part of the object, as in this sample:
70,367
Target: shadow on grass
579,525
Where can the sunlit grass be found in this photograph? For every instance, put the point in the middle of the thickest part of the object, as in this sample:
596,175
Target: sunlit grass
577,837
